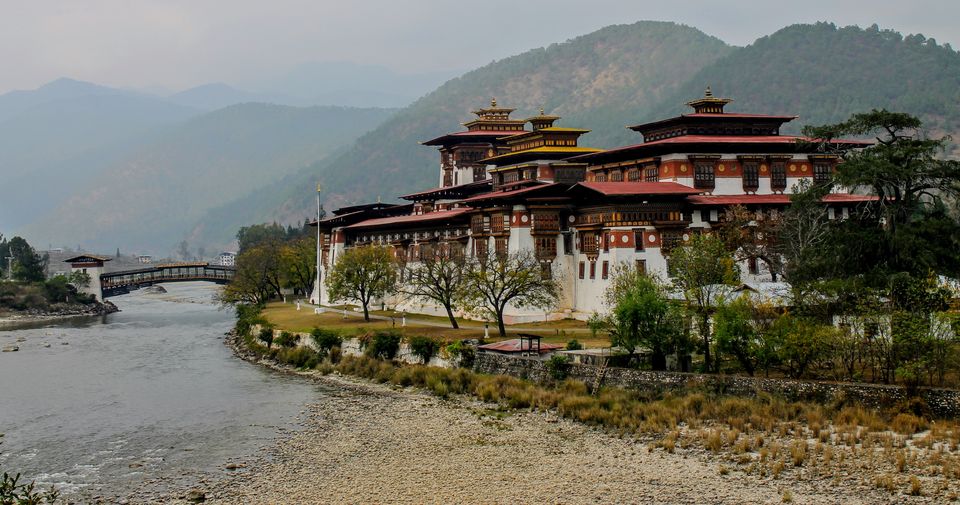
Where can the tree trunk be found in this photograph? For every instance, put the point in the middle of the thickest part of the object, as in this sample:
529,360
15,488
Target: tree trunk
705,333
453,320
500,326
366,313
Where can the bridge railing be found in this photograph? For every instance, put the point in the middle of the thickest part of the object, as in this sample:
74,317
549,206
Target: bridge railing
166,273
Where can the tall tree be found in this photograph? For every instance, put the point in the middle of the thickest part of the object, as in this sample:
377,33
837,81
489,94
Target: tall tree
249,236
28,265
258,276
299,258
363,274
497,280
439,277
700,269
802,233
909,227
643,315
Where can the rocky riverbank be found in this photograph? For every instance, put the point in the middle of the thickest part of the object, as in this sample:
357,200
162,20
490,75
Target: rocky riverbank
56,311
369,443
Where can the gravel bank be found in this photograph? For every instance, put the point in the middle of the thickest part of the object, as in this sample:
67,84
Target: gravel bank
373,444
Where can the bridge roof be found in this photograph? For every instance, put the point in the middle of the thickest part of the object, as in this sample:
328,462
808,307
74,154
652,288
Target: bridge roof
183,264
87,258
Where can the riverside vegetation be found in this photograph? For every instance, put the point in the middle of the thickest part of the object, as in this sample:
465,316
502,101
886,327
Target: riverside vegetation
901,451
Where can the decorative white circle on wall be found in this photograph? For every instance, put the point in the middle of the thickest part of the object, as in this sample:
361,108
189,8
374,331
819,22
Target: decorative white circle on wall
624,239
571,219
524,218
686,237
651,239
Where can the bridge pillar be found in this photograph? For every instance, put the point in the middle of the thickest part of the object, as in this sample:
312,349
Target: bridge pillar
92,266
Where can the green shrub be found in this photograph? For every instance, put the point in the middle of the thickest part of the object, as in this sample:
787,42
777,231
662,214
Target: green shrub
424,347
266,336
559,366
12,492
326,340
465,355
335,354
384,345
574,345
300,357
287,339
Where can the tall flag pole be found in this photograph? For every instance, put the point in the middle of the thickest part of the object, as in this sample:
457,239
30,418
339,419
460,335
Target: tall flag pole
318,246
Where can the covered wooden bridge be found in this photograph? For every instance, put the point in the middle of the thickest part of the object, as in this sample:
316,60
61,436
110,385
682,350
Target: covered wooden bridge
118,283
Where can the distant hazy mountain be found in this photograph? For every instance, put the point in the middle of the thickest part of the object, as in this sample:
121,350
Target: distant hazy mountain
148,199
62,134
219,95
16,102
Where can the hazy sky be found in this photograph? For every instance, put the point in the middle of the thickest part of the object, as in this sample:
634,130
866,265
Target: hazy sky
180,43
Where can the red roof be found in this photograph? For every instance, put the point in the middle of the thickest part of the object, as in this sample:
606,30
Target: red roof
507,194
638,188
738,115
720,139
412,218
518,345
470,186
780,199
473,133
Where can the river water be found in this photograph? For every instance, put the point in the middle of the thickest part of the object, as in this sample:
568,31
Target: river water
150,392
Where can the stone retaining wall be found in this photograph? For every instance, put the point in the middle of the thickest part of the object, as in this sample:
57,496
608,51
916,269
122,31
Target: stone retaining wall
942,402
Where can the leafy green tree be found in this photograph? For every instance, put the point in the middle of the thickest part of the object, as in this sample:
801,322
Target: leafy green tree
643,316
701,269
28,266
803,232
439,277
909,227
299,263
736,335
742,329
258,276
363,274
801,343
253,235
494,281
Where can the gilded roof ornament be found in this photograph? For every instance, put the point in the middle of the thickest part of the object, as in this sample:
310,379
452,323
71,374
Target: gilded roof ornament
709,104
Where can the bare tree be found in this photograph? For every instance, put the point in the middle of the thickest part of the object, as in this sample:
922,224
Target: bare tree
439,277
495,281
362,274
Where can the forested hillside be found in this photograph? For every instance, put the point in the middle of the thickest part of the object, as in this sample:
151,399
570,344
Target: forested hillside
147,201
599,81
627,74
823,74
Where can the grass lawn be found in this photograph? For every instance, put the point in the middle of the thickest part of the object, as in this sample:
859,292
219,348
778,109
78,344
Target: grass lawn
285,316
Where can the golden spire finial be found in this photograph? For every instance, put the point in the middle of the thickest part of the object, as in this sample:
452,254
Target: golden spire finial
708,93
318,187
541,111
378,198
493,102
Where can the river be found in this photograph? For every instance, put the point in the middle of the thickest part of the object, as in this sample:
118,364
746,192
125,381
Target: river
98,405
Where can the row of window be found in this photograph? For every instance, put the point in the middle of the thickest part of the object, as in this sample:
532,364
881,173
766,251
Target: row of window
641,266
